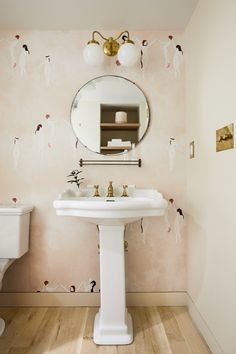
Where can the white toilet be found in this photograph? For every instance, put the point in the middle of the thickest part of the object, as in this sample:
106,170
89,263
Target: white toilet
14,237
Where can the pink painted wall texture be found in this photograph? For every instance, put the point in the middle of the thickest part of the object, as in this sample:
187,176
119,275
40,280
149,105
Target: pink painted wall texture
40,74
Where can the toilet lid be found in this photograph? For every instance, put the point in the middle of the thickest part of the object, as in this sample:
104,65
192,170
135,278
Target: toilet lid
18,209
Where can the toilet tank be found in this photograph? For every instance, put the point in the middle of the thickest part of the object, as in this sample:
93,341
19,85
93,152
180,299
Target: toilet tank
14,230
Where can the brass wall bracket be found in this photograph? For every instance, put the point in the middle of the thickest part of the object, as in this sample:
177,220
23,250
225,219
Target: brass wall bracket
111,46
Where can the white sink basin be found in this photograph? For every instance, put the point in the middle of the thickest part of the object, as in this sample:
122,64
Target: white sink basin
113,323
114,210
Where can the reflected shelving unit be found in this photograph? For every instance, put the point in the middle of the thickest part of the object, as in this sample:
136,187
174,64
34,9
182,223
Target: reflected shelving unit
110,130
120,126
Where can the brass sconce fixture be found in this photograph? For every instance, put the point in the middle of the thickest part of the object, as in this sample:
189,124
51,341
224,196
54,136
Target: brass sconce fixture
126,51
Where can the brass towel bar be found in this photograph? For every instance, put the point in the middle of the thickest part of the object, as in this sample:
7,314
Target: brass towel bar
137,162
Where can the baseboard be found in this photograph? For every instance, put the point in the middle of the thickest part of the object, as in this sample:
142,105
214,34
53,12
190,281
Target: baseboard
90,299
201,325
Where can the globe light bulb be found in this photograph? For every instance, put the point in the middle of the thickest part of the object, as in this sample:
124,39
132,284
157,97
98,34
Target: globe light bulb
93,54
128,54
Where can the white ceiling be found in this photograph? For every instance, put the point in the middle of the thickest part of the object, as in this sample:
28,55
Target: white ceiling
95,14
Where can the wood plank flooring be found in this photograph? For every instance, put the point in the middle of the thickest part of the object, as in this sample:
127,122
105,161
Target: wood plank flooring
69,330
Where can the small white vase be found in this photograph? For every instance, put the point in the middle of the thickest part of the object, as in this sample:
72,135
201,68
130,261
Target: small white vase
121,117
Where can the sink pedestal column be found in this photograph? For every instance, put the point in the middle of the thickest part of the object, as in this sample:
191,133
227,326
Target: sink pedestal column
113,323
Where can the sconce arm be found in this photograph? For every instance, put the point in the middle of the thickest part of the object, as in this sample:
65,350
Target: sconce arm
124,32
105,39
96,32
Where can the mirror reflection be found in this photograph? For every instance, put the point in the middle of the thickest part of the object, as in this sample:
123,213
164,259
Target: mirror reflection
110,115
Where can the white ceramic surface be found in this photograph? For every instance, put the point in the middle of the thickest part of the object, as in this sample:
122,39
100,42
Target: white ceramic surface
14,237
15,209
112,210
14,230
113,323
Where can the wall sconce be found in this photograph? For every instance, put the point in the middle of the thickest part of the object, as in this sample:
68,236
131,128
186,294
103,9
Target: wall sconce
127,53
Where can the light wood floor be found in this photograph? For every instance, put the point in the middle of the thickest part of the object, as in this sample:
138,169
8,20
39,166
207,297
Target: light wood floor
69,330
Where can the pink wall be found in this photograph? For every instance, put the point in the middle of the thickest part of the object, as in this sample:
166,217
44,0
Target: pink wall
34,168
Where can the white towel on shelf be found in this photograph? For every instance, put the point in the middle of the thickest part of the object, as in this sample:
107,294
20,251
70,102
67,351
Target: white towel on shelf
119,143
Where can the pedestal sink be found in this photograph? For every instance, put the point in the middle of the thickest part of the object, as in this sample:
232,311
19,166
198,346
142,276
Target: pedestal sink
113,323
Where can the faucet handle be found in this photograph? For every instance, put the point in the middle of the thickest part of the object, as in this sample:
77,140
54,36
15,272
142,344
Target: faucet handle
96,192
125,193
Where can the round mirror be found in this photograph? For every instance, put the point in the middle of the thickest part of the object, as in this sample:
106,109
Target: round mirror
110,115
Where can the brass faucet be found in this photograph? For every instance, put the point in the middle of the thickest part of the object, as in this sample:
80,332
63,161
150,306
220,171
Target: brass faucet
110,190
